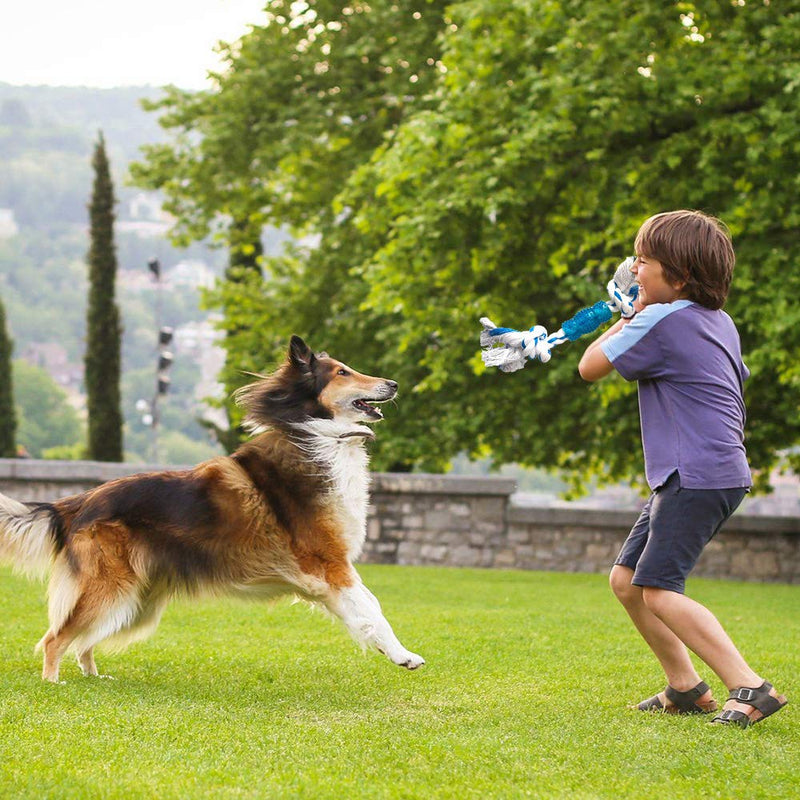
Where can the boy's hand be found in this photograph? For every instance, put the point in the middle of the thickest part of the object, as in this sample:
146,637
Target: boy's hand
624,277
637,307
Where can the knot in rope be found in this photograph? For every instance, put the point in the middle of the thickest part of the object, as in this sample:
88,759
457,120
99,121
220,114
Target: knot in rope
510,349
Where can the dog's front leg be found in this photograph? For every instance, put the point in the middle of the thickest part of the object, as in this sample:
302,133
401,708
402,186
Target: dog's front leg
361,613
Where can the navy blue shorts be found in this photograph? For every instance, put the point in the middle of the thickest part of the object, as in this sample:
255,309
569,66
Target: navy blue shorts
672,530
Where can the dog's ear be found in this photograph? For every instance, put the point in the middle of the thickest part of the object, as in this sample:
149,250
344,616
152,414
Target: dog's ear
300,354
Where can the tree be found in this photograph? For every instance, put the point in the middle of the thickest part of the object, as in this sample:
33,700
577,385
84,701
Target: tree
102,360
511,185
306,98
46,419
8,417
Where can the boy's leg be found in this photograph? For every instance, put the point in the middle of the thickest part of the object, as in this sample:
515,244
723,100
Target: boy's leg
668,648
695,626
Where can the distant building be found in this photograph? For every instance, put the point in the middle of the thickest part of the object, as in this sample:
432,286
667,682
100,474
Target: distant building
196,274
8,225
144,228
145,217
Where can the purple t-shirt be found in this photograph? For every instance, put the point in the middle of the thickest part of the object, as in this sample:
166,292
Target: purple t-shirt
688,362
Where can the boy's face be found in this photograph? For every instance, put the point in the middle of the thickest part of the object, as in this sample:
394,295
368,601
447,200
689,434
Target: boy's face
653,285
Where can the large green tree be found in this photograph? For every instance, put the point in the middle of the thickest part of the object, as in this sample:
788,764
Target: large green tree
103,329
308,96
533,139
8,417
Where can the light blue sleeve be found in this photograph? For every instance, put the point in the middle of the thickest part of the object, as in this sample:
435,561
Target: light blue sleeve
634,351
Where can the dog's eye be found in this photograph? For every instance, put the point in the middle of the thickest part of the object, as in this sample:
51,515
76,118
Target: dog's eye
342,371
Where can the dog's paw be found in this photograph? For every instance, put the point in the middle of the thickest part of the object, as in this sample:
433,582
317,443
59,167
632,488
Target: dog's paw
410,661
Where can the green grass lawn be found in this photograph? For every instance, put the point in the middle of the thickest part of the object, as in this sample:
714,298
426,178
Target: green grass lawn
525,694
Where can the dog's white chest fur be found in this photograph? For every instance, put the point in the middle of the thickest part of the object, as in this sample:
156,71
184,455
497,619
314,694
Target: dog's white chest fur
341,452
350,487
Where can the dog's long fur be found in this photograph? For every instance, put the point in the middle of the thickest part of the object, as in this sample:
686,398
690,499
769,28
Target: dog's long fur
286,513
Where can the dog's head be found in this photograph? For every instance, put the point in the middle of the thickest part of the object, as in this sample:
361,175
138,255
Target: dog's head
309,386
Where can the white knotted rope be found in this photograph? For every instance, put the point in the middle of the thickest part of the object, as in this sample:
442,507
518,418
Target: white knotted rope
510,349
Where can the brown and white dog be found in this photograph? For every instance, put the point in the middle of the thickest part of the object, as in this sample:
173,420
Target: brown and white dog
285,514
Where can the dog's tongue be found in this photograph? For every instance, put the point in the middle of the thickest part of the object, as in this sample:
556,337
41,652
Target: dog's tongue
366,407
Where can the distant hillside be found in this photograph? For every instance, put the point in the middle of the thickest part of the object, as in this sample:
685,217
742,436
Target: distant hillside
46,139
82,111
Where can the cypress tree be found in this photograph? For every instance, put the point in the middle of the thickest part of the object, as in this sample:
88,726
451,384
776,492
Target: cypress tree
103,335
8,416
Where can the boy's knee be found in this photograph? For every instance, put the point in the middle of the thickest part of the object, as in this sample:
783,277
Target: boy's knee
620,581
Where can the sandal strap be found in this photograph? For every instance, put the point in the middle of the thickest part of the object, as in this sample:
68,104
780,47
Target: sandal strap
687,701
731,717
759,698
651,704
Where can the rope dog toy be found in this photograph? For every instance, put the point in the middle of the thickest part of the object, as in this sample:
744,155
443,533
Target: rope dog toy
508,349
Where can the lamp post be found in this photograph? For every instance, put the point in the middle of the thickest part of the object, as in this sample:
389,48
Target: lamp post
149,409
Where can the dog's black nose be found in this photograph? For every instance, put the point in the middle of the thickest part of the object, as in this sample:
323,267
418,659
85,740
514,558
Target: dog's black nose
392,385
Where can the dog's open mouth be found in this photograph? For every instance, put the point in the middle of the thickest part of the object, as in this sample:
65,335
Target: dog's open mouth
368,410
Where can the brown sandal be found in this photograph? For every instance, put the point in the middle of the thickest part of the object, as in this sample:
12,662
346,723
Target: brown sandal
760,699
682,702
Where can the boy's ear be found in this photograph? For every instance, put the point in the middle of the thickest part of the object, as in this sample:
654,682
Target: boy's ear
300,354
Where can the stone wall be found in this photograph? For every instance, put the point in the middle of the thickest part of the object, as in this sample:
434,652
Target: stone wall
473,522
438,519
30,480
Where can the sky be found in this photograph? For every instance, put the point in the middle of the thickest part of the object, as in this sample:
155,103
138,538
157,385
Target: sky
105,43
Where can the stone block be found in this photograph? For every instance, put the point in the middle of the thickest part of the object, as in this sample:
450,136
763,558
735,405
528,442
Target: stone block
489,508
504,559
599,554
519,534
496,528
408,553
432,552
373,530
764,566
464,556
436,519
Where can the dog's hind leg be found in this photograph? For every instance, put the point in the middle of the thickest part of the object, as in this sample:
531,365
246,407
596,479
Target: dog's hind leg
92,620
64,598
87,663
92,595
361,613
54,649
56,642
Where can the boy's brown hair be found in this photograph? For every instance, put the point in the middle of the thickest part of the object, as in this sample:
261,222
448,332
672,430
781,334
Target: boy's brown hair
692,247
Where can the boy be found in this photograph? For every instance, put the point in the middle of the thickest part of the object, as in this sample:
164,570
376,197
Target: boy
684,351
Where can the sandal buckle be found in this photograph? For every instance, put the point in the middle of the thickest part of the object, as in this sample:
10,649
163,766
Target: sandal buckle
744,695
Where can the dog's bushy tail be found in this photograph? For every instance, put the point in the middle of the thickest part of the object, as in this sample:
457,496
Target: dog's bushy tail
28,536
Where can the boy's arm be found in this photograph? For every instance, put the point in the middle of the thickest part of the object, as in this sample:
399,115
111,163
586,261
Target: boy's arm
595,364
